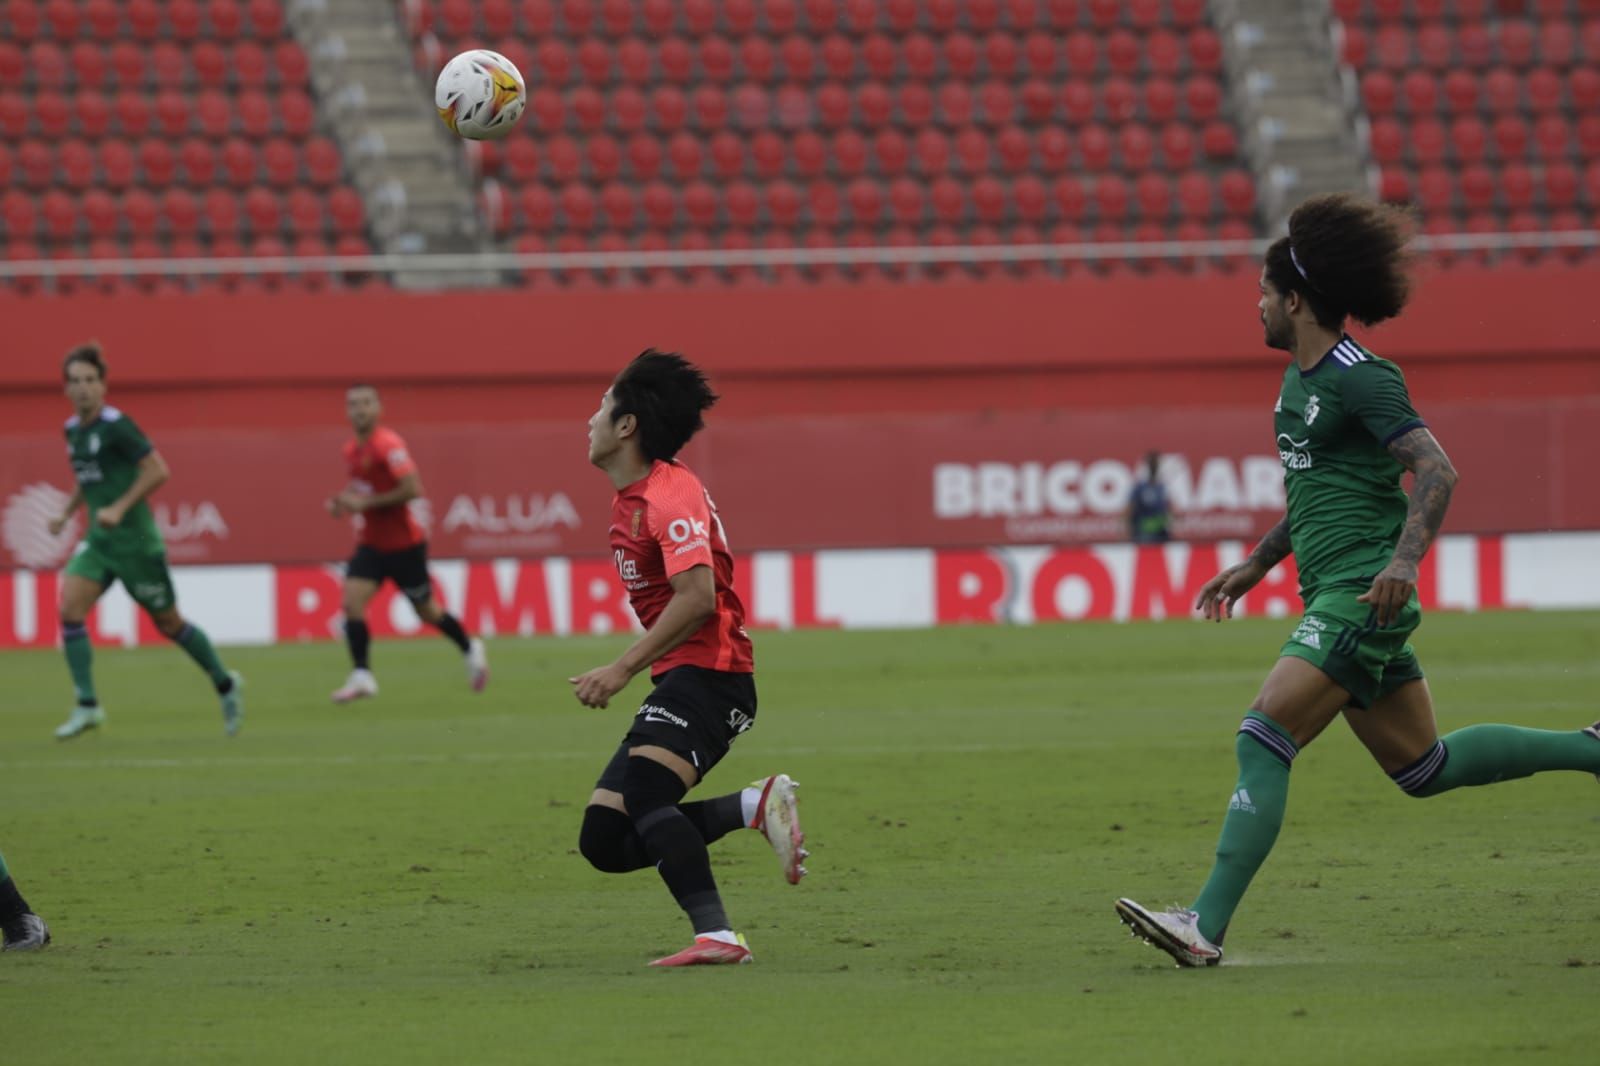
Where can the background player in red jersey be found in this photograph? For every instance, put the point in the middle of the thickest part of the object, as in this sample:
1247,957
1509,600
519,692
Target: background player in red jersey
389,543
672,557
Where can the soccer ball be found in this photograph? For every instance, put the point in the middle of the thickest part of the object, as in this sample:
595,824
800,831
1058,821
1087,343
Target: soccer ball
480,95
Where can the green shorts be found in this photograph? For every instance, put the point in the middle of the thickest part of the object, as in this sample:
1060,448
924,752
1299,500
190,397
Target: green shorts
1341,638
145,576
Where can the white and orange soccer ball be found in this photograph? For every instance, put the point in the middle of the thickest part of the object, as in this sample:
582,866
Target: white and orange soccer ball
480,95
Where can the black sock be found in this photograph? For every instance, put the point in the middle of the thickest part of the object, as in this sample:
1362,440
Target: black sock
451,628
716,818
359,637
679,852
12,905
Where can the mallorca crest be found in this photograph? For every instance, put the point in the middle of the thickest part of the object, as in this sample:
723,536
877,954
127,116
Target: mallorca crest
1313,408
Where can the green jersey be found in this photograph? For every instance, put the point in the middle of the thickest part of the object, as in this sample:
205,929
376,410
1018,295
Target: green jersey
105,458
1335,423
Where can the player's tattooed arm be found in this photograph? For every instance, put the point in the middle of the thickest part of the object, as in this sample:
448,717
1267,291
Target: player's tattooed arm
1434,483
1274,548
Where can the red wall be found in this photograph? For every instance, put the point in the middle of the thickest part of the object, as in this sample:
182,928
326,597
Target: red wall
269,360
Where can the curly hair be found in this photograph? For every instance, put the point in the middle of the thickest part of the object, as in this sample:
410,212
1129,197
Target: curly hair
89,353
1347,258
667,394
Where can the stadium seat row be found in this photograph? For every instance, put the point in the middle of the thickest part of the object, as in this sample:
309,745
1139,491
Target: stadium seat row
872,105
553,61
157,163
1434,11
60,216
971,150
1470,140
144,20
1498,92
1476,46
864,202
1437,189
211,113
738,18
164,65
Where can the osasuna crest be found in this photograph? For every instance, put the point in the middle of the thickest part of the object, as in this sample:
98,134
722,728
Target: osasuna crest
1313,408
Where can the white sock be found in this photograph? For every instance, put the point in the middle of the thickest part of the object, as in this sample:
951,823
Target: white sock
721,936
749,804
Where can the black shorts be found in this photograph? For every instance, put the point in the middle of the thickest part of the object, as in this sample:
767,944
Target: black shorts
407,568
694,713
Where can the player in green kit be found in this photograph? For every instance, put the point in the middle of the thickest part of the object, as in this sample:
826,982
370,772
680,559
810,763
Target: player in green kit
117,468
1346,433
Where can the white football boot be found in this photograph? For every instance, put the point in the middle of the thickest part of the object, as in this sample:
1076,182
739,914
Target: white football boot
778,818
1174,931
477,665
359,685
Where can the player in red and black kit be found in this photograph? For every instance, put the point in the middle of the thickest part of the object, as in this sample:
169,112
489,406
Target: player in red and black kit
673,559
389,543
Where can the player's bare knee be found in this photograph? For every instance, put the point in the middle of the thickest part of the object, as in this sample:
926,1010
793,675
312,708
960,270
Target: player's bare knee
169,625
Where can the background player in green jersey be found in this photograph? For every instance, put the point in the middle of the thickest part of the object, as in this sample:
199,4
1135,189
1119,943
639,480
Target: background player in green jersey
116,468
1346,433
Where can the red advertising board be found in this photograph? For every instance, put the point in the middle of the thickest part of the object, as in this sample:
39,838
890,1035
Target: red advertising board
939,480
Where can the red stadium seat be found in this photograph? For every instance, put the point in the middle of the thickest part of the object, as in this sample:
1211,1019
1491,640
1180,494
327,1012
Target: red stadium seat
1552,135
240,163
199,162
1516,187
1560,186
158,163
1469,139
226,18
1095,148
180,212
893,151
1053,149
281,162
1238,192
118,166
1477,188
346,210
100,213
323,165
850,151
75,160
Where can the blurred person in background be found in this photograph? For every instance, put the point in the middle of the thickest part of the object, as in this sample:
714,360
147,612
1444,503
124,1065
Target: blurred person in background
1149,509
117,468
390,544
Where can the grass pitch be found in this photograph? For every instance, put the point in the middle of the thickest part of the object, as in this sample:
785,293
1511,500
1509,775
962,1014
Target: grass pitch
398,881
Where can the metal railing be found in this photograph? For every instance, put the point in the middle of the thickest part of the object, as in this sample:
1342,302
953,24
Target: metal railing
920,255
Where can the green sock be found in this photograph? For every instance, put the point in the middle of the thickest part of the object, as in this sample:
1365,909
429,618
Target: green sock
80,660
1484,754
192,639
1255,815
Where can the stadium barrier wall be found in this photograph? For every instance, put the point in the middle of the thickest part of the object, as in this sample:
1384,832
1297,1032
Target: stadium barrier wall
1085,343
850,589
807,483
